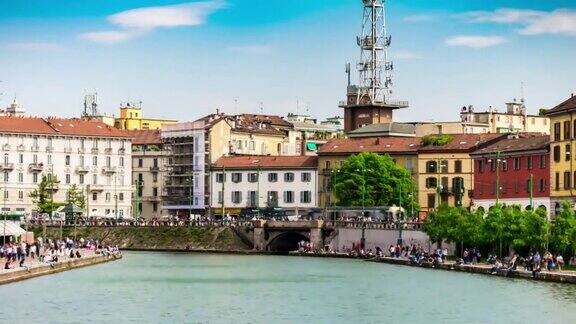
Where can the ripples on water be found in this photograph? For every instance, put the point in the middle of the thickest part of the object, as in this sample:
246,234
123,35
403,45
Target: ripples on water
197,288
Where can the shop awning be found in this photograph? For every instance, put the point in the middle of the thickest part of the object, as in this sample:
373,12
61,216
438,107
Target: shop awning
311,146
10,228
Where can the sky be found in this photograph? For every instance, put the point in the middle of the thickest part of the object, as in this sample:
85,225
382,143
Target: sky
183,60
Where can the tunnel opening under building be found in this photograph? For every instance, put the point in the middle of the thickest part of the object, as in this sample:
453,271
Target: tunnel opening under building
287,242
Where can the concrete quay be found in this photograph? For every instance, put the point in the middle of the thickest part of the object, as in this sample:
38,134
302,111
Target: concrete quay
42,269
550,276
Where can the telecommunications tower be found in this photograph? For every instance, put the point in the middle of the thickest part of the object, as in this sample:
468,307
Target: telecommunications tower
369,102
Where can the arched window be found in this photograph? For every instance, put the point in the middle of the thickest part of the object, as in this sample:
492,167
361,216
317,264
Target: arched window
431,167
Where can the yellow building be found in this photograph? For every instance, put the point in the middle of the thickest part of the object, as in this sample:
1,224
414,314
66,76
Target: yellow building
131,119
562,148
333,154
446,172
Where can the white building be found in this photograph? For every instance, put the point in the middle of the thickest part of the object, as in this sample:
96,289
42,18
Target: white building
242,183
186,173
514,119
87,153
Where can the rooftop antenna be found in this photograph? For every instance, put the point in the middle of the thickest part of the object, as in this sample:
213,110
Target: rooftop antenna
522,99
261,107
348,73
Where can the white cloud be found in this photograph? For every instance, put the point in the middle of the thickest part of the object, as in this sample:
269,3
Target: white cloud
251,49
406,55
419,18
137,22
475,41
33,46
532,22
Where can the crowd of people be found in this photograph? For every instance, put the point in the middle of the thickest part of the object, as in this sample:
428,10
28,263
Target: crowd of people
533,262
48,251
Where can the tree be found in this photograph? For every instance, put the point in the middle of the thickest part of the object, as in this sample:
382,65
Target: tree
440,224
42,196
369,179
76,196
533,231
563,230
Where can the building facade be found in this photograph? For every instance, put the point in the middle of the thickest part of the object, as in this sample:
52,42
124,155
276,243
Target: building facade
131,119
149,171
514,119
562,146
429,128
446,172
240,183
513,171
333,154
186,186
87,153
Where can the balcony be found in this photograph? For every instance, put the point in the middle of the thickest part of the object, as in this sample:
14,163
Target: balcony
155,169
20,148
36,167
108,169
82,169
6,147
122,151
53,187
35,148
49,149
7,166
96,187
327,171
94,150
108,150
67,150
81,150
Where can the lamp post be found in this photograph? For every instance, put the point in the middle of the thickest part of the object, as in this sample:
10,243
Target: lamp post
115,198
498,161
363,239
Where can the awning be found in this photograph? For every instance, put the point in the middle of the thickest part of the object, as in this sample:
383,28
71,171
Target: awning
311,146
10,228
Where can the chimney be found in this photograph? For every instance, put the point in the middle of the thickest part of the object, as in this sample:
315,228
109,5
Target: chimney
302,143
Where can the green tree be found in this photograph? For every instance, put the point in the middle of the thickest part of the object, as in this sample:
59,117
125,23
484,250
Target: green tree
42,197
76,196
533,230
369,179
440,224
502,226
563,230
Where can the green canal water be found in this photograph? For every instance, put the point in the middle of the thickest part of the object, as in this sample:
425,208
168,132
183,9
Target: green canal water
203,288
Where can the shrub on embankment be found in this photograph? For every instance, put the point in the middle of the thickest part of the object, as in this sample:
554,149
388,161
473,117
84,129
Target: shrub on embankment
181,237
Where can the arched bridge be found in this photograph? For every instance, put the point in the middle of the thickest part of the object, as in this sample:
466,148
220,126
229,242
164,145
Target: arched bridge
284,236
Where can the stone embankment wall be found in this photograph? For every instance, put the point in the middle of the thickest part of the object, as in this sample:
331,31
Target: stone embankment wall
13,276
156,237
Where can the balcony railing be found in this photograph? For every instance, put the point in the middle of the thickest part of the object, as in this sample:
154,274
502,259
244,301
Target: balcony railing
82,169
49,149
35,148
109,169
155,169
67,150
7,166
94,150
108,150
122,151
36,167
81,150
96,187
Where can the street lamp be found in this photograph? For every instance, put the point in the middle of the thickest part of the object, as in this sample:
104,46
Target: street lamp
498,161
363,239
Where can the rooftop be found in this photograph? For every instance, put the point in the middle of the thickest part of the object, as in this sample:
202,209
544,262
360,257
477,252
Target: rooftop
524,142
384,129
266,161
143,137
59,126
463,142
566,105
392,145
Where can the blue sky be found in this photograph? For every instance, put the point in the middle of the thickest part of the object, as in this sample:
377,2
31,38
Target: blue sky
185,59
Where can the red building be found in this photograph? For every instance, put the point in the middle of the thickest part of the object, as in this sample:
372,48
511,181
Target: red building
517,165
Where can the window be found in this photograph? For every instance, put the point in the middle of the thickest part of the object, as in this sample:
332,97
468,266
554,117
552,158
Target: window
155,192
556,153
94,178
67,178
236,177
288,197
567,180
306,177
504,164
431,182
431,201
327,165
6,158
253,177
95,161
543,161
81,180
272,177
220,197
492,164
481,166
81,160
154,207
458,166
431,167
556,132
529,162
567,130
517,163
107,196
567,153
140,163
557,182
21,158
121,161
220,177
35,158
67,160
272,198
289,177
154,177
121,196
49,159
6,176
20,194
542,185
236,197
444,166
252,199
20,177
305,197
94,196
5,194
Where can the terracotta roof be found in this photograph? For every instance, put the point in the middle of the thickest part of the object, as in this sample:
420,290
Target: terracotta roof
271,119
249,123
568,104
59,126
525,142
370,144
142,137
266,162
463,142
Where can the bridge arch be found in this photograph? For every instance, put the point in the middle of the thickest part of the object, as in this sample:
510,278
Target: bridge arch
286,241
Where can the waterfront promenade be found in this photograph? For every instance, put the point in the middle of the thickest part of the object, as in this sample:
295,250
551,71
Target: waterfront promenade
34,268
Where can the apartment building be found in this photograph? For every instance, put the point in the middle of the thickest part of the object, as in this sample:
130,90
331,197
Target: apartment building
149,170
514,119
87,153
251,185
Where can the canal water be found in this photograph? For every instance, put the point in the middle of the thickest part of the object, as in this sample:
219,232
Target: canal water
208,288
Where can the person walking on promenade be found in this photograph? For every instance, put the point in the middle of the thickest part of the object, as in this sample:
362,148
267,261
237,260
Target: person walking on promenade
560,261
